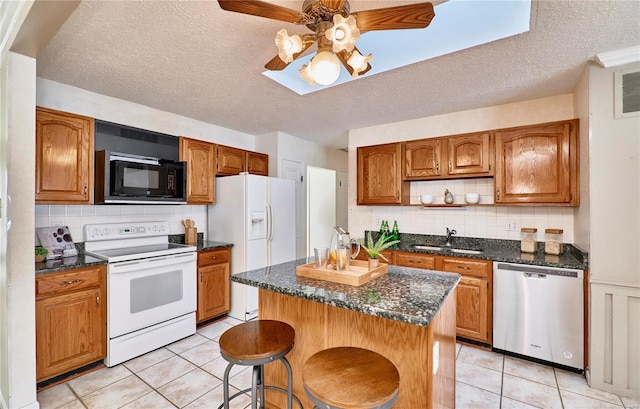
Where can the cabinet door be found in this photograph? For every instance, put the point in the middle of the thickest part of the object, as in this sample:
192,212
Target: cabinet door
230,160
537,164
201,158
472,311
469,155
70,332
213,291
380,175
422,158
64,157
257,163
415,260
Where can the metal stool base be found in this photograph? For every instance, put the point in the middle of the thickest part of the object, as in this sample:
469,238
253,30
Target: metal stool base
257,383
318,404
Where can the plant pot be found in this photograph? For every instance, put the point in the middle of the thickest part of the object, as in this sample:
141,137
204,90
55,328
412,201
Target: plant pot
40,258
374,263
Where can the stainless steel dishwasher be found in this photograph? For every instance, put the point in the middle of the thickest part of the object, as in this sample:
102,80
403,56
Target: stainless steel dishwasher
539,312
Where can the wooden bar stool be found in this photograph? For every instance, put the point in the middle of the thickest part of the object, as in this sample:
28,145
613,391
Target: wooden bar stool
350,378
256,343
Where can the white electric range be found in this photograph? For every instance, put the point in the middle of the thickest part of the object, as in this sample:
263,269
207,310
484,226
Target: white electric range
151,286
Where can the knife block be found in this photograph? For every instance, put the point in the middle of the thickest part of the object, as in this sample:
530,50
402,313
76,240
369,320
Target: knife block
190,235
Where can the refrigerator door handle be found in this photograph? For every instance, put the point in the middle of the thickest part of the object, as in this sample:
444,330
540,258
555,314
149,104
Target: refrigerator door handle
269,223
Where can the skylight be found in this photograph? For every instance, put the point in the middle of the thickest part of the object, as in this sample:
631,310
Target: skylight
458,25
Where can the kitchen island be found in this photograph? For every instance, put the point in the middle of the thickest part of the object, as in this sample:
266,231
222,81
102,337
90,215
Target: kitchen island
407,315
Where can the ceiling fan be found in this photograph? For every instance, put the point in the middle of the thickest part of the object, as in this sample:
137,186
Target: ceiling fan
335,32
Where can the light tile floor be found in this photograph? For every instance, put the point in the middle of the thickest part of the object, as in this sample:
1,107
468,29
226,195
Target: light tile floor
188,374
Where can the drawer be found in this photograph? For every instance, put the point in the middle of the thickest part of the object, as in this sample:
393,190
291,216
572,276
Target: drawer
476,268
207,257
68,281
415,260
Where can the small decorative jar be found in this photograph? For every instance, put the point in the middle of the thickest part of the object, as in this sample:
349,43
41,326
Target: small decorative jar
553,241
528,242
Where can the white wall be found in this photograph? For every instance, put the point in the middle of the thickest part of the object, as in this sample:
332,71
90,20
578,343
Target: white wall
488,222
614,258
583,213
63,97
615,182
19,390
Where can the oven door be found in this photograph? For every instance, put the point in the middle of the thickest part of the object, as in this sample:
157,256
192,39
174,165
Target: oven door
145,292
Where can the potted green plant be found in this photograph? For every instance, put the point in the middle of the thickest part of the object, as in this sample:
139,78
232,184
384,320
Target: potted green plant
374,249
41,253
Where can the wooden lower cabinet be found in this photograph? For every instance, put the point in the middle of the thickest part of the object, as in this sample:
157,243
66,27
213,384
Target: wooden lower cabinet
474,294
474,313
214,287
70,320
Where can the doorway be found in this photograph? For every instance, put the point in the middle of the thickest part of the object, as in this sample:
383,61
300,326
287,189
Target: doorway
321,207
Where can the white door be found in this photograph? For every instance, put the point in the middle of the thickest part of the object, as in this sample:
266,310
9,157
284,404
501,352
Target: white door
341,209
321,207
292,169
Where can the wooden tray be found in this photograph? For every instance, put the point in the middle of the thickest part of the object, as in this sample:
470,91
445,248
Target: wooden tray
357,274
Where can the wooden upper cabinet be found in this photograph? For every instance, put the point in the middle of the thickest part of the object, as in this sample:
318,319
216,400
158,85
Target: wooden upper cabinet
380,175
470,155
538,164
64,158
231,161
422,158
257,163
201,169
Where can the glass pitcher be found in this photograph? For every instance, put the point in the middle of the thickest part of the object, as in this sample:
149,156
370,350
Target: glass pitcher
341,248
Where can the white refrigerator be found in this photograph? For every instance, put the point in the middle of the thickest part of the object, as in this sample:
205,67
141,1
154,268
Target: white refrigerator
257,215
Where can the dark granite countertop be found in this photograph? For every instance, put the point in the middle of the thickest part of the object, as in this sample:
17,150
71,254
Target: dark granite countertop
68,263
403,294
494,249
84,260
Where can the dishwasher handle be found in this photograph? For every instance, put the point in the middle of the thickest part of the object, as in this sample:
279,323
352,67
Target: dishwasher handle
539,270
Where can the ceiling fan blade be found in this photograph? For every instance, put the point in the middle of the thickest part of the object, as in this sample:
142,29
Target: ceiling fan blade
342,56
394,18
276,64
262,9
333,4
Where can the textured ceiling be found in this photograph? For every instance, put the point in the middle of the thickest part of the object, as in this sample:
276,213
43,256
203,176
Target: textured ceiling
196,60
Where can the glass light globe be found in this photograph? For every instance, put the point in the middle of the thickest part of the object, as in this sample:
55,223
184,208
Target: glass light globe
325,67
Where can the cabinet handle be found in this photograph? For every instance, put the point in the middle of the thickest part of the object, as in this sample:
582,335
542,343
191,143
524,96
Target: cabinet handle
450,167
213,257
66,283
397,194
201,276
498,194
85,190
97,300
464,267
438,167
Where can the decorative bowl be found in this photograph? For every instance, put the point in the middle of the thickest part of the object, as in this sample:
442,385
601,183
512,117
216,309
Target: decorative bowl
426,199
472,198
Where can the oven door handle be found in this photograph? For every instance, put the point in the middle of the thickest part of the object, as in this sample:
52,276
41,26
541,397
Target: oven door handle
146,263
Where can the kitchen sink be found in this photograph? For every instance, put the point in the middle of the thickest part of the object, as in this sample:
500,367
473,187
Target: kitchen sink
432,248
466,251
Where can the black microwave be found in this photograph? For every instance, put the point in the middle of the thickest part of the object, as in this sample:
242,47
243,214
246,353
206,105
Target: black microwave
124,178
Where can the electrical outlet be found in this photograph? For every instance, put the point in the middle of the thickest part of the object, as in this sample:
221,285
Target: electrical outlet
512,226
56,223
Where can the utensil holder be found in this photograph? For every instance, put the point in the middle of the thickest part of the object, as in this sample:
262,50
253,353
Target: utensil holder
190,235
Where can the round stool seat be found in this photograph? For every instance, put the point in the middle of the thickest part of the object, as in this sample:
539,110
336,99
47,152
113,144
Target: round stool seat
255,341
349,378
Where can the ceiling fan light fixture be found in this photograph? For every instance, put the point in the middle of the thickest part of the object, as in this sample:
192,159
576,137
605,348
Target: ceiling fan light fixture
288,45
324,67
358,62
305,74
344,33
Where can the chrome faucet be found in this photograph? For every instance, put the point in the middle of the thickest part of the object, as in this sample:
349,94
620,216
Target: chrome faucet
449,234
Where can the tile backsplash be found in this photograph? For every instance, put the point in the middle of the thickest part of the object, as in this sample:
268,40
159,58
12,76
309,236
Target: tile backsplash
76,216
470,221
